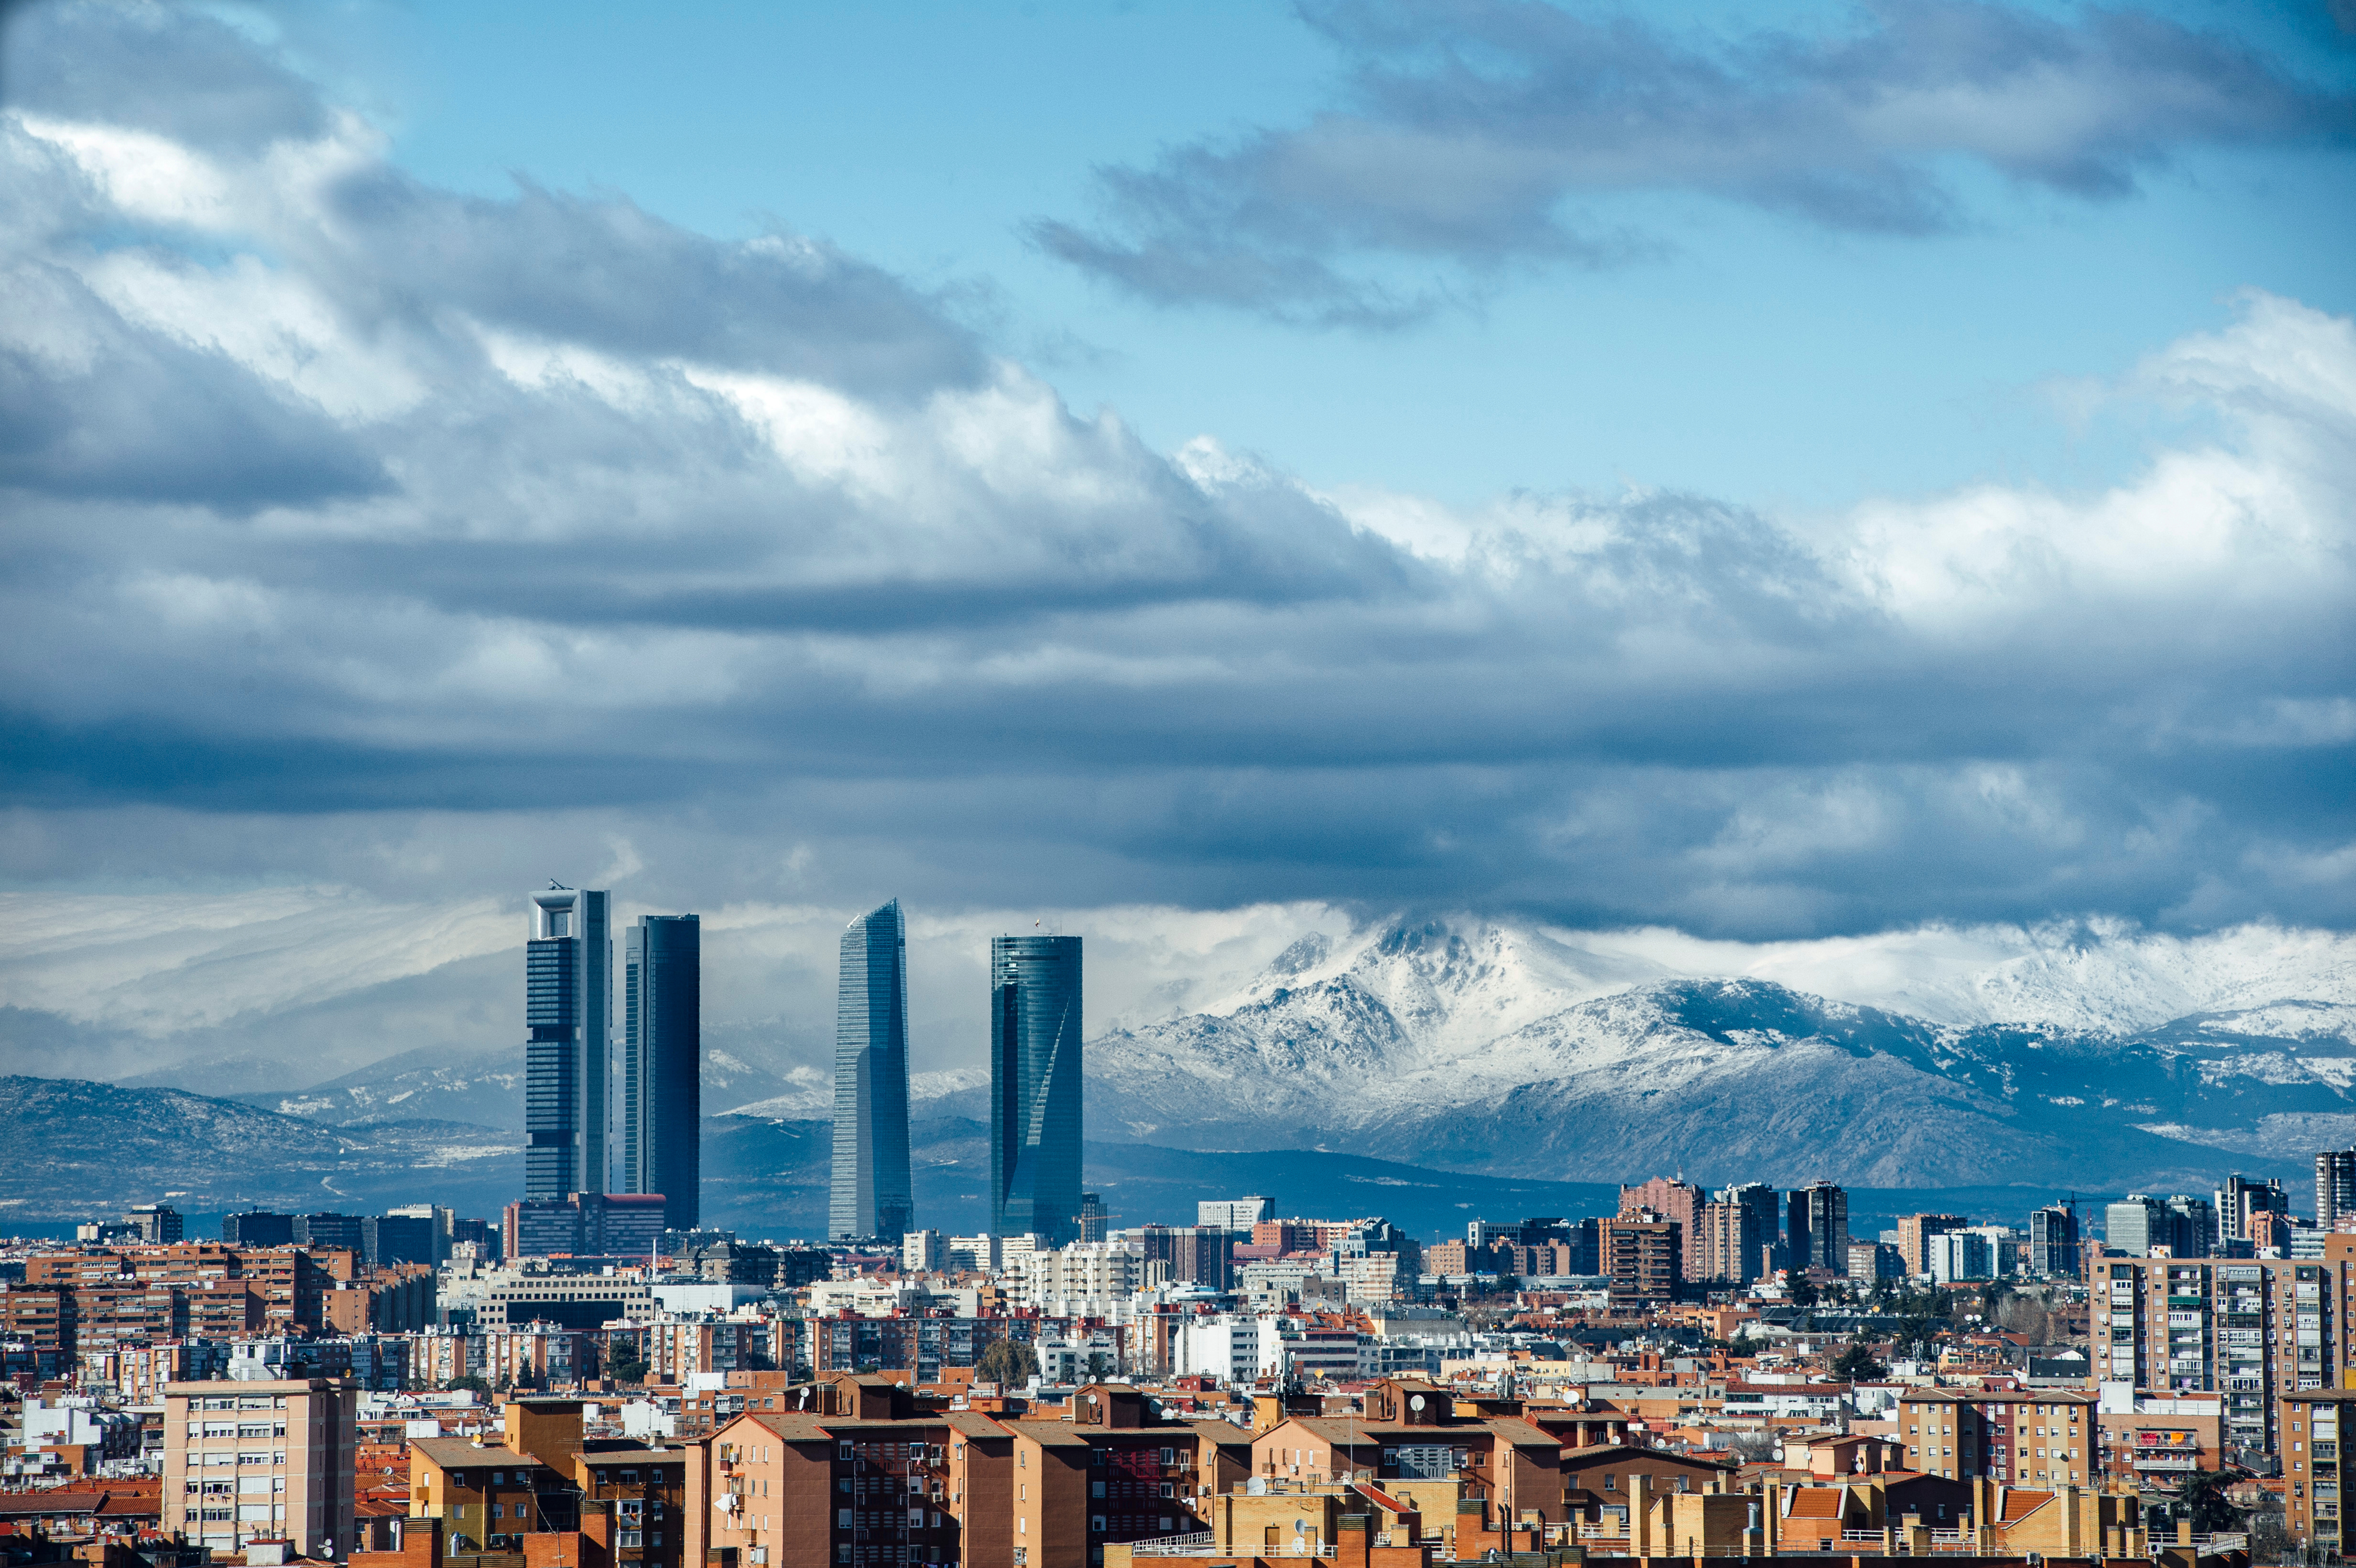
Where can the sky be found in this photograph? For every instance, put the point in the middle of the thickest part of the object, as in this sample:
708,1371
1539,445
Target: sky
1775,474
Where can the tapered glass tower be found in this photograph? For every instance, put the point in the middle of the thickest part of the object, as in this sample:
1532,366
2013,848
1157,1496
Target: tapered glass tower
568,1059
1034,1087
872,1193
661,1054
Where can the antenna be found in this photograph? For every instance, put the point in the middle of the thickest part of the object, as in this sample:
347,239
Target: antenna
556,887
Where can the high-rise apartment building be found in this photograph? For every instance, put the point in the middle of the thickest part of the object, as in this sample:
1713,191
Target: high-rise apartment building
872,1193
1034,1087
1732,1234
2335,1186
2241,1200
266,1461
1915,1233
2053,1240
662,1054
1679,1202
1815,1225
2252,1330
1640,1258
568,1059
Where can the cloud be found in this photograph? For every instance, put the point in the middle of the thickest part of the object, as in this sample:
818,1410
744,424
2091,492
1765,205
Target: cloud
364,535
1486,134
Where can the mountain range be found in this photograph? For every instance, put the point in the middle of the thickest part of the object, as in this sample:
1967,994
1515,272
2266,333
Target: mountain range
2088,1056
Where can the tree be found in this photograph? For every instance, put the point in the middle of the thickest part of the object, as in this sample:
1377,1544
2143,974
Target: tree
2202,1498
1801,1289
1857,1364
1007,1364
471,1382
624,1365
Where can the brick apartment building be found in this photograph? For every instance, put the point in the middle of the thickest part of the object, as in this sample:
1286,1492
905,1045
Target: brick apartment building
1643,1257
2039,1438
269,1461
2250,1330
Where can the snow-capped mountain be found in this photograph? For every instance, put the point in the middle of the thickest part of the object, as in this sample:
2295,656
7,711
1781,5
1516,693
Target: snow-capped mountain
2101,1060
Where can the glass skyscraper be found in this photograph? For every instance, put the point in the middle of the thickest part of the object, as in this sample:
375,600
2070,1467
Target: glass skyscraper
1034,1087
661,1063
872,1193
568,1059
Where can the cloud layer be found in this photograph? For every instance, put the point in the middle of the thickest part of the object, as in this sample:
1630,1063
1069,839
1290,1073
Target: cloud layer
1477,134
367,533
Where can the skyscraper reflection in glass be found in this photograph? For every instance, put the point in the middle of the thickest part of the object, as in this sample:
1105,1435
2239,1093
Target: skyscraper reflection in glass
1034,1087
871,1195
662,1051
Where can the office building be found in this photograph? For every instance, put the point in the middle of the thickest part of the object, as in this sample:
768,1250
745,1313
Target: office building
585,1225
1816,1227
329,1231
568,1060
2135,1224
2335,1186
2053,1240
1034,1087
258,1228
662,1056
871,1195
158,1224
260,1461
389,1239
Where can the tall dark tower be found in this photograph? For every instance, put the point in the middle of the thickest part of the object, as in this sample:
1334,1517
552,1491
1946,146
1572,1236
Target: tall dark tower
662,1050
1034,1087
871,1195
568,1059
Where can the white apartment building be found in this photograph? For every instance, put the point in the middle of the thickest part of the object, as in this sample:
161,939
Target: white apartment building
1227,1345
923,1253
1086,1279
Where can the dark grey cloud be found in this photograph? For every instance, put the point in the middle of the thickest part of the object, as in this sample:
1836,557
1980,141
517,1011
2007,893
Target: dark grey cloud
1481,135
172,70
364,532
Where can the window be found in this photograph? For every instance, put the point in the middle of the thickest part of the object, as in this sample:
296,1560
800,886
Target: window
1611,1482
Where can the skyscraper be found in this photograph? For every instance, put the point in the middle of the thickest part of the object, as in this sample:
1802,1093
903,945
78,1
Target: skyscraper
2335,1186
567,1008
662,1099
871,1195
1034,1087
1817,1227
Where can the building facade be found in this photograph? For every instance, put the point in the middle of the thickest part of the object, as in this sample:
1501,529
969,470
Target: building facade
1035,1083
662,1056
568,1054
260,1460
871,1195
1816,1227
2253,1331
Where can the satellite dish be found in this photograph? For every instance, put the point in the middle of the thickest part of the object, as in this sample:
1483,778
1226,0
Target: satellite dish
1414,1401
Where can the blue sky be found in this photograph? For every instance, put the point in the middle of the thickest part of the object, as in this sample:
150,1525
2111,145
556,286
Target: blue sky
1769,473
1756,358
